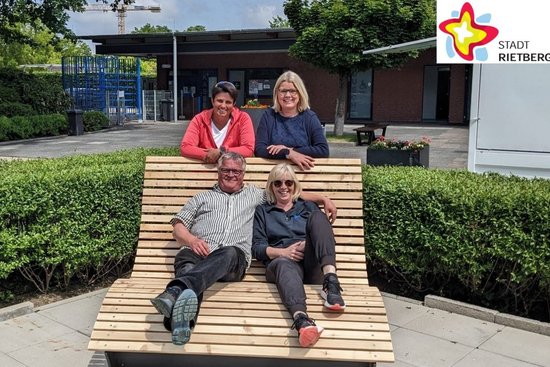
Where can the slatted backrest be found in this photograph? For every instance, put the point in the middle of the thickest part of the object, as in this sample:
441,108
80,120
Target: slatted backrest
170,181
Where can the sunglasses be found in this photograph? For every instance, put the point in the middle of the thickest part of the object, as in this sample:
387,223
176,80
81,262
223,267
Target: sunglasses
224,83
279,183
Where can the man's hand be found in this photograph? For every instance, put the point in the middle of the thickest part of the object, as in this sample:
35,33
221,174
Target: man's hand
212,155
182,235
305,162
199,246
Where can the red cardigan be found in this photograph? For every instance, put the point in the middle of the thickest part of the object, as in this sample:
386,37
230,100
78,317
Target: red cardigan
198,136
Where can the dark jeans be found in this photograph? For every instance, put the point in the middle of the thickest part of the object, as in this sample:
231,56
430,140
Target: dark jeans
290,276
227,264
192,271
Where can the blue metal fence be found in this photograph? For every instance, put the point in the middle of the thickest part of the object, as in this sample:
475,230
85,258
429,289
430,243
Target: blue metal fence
109,84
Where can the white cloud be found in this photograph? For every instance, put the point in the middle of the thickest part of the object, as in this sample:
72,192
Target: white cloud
259,16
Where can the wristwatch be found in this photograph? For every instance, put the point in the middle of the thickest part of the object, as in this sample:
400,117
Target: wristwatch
223,150
286,152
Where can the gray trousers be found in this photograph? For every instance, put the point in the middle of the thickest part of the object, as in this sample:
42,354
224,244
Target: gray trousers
290,276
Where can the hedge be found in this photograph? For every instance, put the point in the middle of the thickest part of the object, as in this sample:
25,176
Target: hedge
94,120
42,92
25,127
479,238
70,218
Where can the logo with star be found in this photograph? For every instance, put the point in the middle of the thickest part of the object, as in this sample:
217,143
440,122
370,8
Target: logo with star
468,33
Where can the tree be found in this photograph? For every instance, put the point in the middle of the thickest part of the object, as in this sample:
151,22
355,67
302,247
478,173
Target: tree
332,34
41,49
196,28
279,22
149,65
148,28
52,13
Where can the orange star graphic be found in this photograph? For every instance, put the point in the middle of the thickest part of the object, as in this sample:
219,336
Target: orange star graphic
466,33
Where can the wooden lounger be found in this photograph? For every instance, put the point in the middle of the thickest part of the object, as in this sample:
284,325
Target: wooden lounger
244,323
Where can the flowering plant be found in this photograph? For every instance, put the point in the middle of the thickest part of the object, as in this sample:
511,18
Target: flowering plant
383,143
254,103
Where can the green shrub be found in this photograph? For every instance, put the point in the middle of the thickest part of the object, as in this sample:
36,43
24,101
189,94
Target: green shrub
481,238
94,120
49,125
73,217
5,127
24,127
43,92
21,128
10,109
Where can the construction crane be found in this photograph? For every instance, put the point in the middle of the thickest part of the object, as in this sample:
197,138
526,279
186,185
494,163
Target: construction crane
121,12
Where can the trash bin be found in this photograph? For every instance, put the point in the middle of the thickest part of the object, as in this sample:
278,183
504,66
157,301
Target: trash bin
167,109
76,126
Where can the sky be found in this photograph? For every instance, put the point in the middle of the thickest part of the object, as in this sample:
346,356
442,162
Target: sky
181,14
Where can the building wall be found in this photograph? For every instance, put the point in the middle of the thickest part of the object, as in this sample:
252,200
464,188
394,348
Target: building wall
458,94
397,93
321,86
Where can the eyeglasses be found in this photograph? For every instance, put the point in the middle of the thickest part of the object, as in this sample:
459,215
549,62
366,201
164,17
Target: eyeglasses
230,171
279,183
224,83
292,92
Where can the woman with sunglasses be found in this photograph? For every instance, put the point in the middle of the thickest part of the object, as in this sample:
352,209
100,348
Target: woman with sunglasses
290,129
217,130
294,239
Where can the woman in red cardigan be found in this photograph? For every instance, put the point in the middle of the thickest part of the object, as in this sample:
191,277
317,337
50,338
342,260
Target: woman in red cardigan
217,130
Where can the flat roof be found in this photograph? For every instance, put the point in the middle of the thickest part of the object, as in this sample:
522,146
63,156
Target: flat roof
203,42
404,47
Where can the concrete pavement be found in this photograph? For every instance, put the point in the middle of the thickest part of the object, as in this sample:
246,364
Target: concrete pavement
57,334
448,149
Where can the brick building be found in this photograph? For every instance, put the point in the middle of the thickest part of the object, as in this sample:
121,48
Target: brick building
419,91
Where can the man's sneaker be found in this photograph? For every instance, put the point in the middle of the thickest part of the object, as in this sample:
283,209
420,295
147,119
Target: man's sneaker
183,316
164,302
308,331
331,293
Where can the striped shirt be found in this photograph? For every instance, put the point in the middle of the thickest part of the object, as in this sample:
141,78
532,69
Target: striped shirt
222,219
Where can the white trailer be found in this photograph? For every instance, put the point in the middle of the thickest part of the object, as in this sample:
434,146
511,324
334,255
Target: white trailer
510,120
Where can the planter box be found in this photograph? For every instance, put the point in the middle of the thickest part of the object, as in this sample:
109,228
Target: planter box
255,114
391,157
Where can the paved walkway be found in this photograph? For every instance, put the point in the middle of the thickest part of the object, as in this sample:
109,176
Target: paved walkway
57,334
448,148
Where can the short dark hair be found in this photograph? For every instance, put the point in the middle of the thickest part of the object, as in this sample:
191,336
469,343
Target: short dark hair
225,87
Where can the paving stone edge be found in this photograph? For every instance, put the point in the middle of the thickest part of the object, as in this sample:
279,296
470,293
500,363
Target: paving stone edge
487,314
25,308
17,310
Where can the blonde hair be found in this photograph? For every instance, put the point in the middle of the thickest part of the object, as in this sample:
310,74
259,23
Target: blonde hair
278,173
291,77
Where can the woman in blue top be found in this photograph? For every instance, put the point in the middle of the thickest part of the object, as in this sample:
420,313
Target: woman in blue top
290,129
295,241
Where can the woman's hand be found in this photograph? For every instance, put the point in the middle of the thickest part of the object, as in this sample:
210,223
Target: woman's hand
294,252
305,162
212,155
330,209
276,149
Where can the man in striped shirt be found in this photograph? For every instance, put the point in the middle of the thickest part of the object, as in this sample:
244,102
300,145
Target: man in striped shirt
215,230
